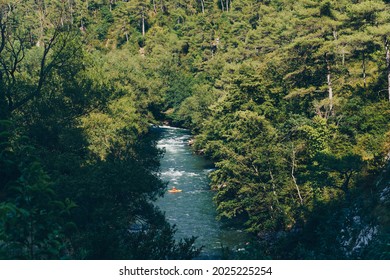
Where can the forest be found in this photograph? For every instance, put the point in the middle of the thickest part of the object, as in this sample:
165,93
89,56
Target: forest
289,99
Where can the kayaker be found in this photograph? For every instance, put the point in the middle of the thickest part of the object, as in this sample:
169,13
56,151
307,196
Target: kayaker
174,190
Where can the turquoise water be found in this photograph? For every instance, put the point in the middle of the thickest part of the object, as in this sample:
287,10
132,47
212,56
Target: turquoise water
192,210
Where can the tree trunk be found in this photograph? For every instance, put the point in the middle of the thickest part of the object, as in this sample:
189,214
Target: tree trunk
335,34
364,69
143,24
273,186
154,6
3,37
293,176
222,6
345,185
202,3
330,88
162,5
387,45
227,5
71,12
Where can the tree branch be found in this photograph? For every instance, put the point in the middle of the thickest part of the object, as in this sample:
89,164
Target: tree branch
45,68
293,177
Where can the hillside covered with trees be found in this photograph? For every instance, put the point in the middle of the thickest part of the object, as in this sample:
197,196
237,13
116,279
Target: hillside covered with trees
290,99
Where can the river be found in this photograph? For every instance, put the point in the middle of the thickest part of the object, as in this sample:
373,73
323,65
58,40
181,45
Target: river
192,210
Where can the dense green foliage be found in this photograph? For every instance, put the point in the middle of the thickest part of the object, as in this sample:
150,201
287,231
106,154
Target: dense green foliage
289,98
78,170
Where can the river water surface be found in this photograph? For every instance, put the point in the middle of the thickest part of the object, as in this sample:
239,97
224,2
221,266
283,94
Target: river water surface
192,210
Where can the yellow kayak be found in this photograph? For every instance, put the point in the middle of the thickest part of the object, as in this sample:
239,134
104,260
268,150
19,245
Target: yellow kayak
174,190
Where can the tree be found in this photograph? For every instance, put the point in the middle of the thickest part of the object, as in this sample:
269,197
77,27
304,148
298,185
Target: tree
31,216
52,54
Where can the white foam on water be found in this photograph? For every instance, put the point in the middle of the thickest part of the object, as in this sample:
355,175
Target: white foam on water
173,149
207,171
195,191
171,127
170,141
172,173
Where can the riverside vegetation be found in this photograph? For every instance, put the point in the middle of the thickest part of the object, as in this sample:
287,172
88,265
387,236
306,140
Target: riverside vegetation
290,99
